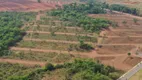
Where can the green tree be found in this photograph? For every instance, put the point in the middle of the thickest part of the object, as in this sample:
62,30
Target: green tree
135,20
49,67
129,54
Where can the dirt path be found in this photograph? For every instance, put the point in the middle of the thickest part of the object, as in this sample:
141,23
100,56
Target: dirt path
24,62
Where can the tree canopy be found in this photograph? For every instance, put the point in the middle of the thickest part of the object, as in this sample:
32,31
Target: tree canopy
77,15
10,33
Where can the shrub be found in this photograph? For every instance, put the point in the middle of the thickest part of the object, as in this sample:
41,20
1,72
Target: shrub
49,67
114,75
85,46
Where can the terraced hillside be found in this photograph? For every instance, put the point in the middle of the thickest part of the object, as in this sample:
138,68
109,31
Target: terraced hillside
42,45
54,42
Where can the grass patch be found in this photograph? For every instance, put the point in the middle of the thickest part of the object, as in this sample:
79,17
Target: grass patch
63,37
8,70
137,76
31,56
45,45
58,29
46,57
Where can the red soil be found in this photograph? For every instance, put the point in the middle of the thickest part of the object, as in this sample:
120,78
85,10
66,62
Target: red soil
26,5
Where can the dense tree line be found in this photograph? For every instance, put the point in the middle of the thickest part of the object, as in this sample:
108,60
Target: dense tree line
116,7
125,9
77,15
10,33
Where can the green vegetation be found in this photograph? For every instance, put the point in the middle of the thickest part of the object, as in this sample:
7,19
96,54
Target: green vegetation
11,71
64,37
125,9
88,70
135,20
76,14
116,7
129,54
80,70
45,57
85,46
10,33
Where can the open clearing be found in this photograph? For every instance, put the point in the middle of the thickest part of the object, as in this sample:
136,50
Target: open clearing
29,5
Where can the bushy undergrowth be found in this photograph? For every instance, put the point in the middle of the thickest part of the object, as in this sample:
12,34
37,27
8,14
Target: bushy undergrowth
10,71
82,69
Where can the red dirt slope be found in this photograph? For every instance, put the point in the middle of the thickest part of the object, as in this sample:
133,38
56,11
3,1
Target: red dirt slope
26,5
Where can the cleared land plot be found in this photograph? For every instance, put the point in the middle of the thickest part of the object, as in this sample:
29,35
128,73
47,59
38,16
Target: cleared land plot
112,50
24,5
124,40
124,33
132,61
30,5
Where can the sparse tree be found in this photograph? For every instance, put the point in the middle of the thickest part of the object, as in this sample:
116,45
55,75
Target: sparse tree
135,20
129,54
124,22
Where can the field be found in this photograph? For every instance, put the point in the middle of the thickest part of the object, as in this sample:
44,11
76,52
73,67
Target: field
137,76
